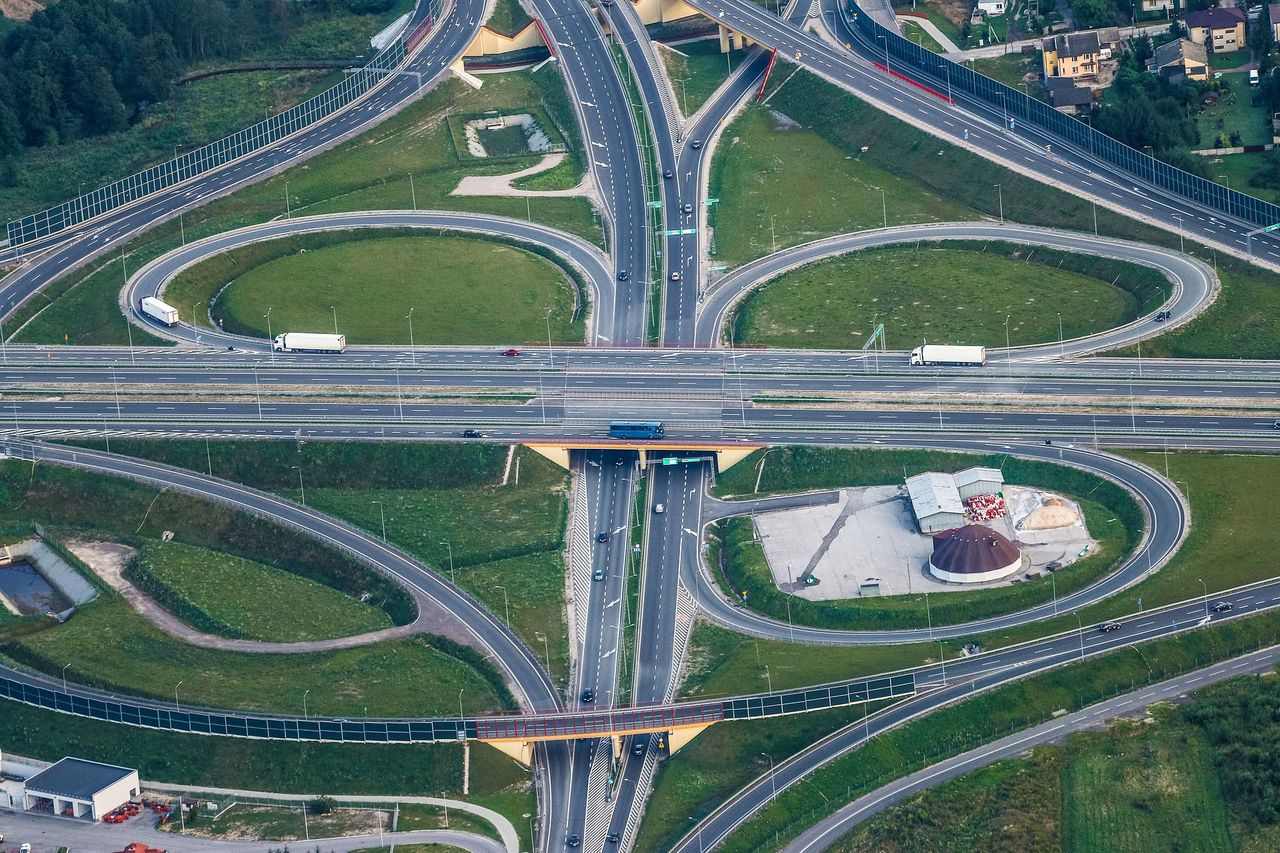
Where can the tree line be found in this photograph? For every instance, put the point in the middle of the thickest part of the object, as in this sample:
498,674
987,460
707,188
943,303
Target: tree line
81,68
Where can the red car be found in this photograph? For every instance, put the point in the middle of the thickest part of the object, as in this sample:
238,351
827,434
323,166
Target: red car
511,351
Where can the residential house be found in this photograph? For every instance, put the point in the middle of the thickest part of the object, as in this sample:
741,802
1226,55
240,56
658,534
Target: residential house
1071,55
1219,30
992,7
1179,60
1066,96
1273,9
1165,6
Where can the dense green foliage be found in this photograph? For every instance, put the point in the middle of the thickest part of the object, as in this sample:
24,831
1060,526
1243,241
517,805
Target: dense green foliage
1241,719
82,68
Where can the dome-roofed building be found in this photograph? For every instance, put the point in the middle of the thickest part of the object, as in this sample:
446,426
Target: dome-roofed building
973,553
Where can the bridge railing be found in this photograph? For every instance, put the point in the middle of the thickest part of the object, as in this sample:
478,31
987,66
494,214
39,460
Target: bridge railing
216,154
1017,107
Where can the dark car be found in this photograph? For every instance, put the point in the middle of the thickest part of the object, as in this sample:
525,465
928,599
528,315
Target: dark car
597,575
695,144
588,696
472,433
511,351
623,275
1161,316
574,840
1108,627
1223,607
668,174
613,838
602,536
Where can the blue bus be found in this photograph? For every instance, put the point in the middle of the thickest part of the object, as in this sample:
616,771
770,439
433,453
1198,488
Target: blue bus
636,429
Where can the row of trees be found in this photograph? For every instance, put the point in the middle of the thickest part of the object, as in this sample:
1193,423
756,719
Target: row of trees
81,68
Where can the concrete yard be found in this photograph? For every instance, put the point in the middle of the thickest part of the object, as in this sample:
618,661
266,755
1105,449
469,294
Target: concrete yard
867,543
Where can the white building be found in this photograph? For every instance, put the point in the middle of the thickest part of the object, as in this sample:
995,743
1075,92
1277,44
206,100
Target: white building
935,501
991,7
78,788
978,481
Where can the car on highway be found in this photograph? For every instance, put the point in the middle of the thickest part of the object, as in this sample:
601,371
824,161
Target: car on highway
511,351
623,275
659,509
668,174
637,748
1161,316
613,838
597,575
602,536
588,696
1108,627
472,433
574,840
675,275
695,144
1223,607
687,208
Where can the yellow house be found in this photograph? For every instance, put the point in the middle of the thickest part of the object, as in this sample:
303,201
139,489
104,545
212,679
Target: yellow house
1219,30
1072,55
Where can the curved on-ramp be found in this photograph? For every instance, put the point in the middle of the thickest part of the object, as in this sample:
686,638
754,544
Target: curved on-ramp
1194,284
152,278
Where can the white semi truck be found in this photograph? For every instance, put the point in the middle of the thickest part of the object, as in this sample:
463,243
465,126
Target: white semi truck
309,342
158,310
956,356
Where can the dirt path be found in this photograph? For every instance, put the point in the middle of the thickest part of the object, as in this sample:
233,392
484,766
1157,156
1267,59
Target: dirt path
108,560
500,185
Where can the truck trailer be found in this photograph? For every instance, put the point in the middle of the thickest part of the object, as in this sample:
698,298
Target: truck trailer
309,342
946,355
158,310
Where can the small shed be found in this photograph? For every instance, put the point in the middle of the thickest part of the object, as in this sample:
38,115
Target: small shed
935,501
978,481
75,787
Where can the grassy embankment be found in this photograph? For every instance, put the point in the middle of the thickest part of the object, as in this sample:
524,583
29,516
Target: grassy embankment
957,291
696,69
435,498
809,178
370,172
372,280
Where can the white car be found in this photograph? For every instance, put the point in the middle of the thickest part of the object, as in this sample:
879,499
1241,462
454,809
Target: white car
659,509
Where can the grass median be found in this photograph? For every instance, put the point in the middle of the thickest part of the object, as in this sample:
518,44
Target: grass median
696,69
960,292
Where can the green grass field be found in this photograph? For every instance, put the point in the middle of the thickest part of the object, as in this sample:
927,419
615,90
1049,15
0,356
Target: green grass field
1009,807
928,293
277,823
455,283
246,596
913,32
1011,69
696,70
1235,110
370,172
110,646
508,18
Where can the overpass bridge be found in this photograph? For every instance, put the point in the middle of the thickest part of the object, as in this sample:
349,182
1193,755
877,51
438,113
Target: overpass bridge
726,454
514,734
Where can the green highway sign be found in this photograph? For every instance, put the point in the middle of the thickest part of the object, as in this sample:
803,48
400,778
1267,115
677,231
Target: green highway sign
670,460
712,200
678,232
1271,228
655,204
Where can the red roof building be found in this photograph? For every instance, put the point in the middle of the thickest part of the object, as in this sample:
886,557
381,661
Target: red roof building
973,553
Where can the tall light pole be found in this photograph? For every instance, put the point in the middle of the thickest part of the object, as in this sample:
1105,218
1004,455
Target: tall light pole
288,213
1206,597
929,615
382,512
270,340
550,354
305,715
546,649
1062,353
461,715
301,487
412,356
506,602
334,309
1080,626
64,678
773,782
413,194
1008,355
1000,200
175,694
452,579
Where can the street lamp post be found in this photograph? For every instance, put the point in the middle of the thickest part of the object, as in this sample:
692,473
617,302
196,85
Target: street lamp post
1061,343
1008,354
270,340
452,578
773,782
929,615
550,353
1000,201
175,694
461,715
305,715
382,512
64,678
413,359
334,309
301,487
1080,626
506,602
1206,597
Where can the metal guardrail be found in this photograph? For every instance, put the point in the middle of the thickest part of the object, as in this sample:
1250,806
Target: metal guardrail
216,154
1016,106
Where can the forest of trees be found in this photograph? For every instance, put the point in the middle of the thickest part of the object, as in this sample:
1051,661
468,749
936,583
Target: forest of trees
86,67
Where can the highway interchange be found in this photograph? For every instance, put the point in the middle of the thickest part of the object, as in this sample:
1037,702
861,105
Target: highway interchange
575,392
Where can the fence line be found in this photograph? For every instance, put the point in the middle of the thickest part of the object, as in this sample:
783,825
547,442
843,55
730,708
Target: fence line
216,154
1016,106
